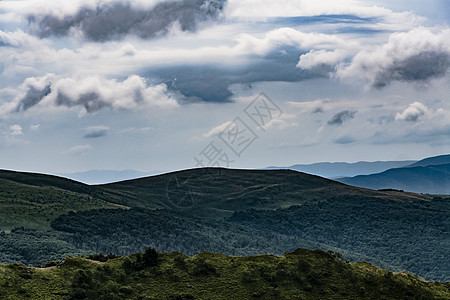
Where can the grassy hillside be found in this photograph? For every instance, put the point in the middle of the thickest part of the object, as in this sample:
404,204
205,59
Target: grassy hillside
216,192
34,200
302,274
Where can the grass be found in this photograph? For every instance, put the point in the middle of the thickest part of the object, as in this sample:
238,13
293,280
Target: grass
35,206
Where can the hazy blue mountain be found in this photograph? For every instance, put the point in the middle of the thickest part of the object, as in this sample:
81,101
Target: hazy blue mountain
431,161
431,179
343,169
106,176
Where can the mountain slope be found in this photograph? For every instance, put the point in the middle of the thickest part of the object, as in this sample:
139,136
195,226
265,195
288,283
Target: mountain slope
432,179
431,161
301,274
343,169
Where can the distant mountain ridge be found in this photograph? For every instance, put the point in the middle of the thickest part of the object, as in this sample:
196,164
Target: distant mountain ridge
432,161
334,170
430,175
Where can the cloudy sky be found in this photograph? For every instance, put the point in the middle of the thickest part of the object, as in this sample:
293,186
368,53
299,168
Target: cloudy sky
168,84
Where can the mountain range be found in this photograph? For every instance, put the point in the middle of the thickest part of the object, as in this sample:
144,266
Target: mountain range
334,170
430,175
235,212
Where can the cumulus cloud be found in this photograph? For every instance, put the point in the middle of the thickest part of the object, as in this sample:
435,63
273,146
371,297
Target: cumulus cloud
112,20
286,36
321,58
412,113
95,132
415,56
35,93
17,39
418,55
341,117
16,130
92,93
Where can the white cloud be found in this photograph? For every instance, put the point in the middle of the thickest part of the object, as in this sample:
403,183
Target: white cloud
142,130
288,37
16,130
416,55
77,150
412,113
316,58
90,93
218,129
34,127
18,39
279,124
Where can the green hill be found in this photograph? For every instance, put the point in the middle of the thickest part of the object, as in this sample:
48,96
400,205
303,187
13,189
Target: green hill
217,192
34,200
302,274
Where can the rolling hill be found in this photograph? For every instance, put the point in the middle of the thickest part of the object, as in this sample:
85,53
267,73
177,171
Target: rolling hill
217,192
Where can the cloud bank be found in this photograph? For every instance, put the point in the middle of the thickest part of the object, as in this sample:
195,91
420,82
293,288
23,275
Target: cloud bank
113,20
92,93
416,56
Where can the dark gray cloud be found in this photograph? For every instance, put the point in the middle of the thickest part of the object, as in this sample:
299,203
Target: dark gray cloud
341,117
420,67
95,132
318,110
344,140
33,97
91,101
201,83
112,21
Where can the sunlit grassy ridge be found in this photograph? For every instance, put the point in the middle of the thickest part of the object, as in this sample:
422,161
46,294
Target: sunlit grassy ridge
302,274
34,200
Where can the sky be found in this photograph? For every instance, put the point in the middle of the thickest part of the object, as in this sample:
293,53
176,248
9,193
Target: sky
168,85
